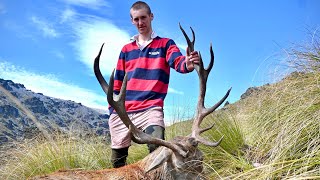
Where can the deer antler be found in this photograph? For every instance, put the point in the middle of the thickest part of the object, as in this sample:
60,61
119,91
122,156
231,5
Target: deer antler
202,112
118,103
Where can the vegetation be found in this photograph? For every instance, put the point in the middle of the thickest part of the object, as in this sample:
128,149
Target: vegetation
272,134
40,156
278,137
276,130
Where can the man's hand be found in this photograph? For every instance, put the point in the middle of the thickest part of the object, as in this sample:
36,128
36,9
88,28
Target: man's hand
191,59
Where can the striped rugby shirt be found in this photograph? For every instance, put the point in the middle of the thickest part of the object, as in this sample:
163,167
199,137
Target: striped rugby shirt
148,70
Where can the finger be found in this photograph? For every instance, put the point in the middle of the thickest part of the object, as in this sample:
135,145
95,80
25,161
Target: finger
194,53
195,60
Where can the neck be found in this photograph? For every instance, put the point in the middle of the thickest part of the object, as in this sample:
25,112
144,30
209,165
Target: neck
145,37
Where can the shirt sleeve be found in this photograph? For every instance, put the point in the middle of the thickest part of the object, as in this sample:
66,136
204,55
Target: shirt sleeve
175,58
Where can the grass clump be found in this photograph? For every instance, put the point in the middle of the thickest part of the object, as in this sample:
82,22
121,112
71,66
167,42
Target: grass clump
281,123
283,129
40,156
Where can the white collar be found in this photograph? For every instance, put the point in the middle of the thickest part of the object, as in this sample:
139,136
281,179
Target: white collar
135,37
144,44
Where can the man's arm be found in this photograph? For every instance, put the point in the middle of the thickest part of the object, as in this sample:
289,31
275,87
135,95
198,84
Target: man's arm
177,61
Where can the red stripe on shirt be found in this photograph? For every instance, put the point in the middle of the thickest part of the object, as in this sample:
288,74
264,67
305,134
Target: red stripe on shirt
148,63
147,85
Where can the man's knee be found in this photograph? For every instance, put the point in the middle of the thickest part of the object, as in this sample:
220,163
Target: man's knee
155,131
119,157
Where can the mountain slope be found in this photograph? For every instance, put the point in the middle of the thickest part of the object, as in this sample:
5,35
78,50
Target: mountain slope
52,113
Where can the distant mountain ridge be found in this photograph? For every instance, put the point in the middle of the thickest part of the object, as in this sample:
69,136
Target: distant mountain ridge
52,113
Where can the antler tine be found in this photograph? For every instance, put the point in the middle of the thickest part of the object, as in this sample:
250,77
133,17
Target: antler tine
118,103
212,59
193,37
204,72
213,108
201,111
190,44
97,72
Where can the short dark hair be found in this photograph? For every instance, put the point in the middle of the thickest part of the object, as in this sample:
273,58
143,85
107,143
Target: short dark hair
140,5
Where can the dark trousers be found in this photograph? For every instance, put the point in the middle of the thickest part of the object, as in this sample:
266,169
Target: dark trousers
119,156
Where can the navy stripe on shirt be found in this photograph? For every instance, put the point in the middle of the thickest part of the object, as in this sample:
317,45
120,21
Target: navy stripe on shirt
144,95
172,58
149,74
146,52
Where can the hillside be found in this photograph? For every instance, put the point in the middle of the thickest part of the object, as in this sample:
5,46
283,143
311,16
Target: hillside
272,132
51,113
277,127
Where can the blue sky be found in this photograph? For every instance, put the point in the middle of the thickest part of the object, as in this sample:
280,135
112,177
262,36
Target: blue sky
49,46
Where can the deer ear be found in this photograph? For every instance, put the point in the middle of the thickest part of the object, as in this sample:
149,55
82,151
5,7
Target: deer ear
160,158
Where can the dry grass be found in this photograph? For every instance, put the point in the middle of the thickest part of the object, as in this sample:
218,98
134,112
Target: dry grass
280,126
40,156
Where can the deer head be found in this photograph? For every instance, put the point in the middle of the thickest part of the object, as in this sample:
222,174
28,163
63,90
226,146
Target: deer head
181,153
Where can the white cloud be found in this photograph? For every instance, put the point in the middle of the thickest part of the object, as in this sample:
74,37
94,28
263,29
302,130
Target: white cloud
44,26
67,15
91,4
90,36
52,86
89,33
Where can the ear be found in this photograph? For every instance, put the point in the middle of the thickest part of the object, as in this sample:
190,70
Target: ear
152,16
160,158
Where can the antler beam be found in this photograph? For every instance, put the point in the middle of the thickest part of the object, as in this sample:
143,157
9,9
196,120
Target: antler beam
201,111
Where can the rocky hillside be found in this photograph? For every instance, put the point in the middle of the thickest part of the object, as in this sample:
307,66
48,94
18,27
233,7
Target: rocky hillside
52,113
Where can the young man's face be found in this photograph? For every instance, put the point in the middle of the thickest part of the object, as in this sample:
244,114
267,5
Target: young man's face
142,20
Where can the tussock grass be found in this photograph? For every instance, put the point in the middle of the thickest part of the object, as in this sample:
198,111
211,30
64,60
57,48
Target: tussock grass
281,125
40,156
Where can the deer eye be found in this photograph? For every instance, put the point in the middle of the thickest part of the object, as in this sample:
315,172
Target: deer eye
193,142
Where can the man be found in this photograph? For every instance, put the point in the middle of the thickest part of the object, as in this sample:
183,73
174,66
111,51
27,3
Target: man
147,61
